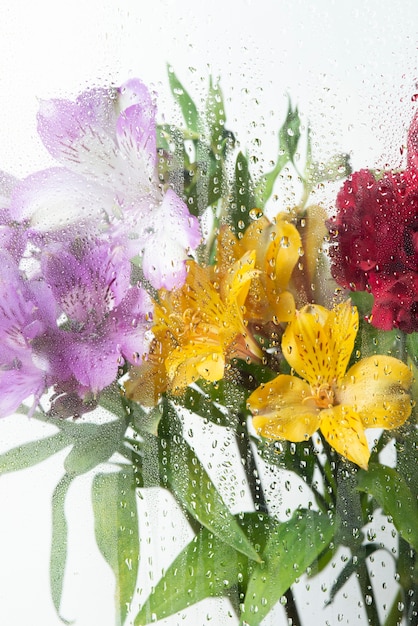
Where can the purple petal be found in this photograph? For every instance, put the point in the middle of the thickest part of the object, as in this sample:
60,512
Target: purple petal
89,286
57,198
16,385
94,364
174,235
63,122
135,131
133,91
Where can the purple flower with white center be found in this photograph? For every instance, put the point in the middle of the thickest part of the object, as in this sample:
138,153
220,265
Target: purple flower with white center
104,320
106,141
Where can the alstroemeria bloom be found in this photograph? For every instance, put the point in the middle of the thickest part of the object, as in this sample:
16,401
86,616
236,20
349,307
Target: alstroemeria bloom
200,327
373,393
102,319
106,141
277,245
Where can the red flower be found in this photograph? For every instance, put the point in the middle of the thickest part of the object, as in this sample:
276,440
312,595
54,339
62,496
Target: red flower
395,301
374,242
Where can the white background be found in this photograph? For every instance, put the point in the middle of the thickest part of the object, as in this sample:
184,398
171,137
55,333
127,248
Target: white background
352,69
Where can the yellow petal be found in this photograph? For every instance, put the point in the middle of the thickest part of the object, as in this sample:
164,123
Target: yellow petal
193,361
200,295
238,279
377,387
344,431
318,342
282,255
341,329
283,409
283,307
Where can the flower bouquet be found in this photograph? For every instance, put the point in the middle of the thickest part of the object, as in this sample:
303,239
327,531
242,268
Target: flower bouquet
150,287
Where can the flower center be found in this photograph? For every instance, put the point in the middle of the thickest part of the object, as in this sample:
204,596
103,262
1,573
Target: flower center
323,395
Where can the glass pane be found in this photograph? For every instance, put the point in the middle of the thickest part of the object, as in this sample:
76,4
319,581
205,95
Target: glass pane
208,313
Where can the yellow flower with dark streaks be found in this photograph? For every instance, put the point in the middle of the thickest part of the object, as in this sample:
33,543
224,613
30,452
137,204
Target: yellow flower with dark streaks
373,393
278,246
203,325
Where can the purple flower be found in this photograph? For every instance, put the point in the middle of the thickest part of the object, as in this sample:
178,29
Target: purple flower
69,320
106,142
104,320
23,372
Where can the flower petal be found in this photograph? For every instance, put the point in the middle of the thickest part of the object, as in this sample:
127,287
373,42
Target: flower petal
57,198
196,360
344,431
377,388
282,255
283,409
318,343
173,234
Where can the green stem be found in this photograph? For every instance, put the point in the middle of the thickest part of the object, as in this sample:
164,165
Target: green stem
250,466
395,615
260,503
368,595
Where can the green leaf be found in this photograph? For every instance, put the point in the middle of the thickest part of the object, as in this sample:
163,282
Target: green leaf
215,117
392,493
187,106
189,482
29,454
206,568
94,444
59,542
336,168
289,135
289,551
352,567
116,529
199,401
243,199
412,347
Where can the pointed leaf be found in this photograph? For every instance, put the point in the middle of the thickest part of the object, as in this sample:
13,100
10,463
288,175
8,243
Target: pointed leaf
189,482
336,168
97,446
392,493
215,116
194,489
187,106
243,199
412,347
291,548
59,541
289,135
116,529
206,568
29,454
352,567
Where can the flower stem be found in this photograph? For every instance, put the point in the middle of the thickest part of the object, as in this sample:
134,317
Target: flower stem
368,595
250,466
259,499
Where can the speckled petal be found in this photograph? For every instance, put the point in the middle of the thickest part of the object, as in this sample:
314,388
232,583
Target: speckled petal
284,409
377,388
344,431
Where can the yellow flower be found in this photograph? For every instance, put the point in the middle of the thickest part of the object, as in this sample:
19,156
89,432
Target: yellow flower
373,393
277,246
199,327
